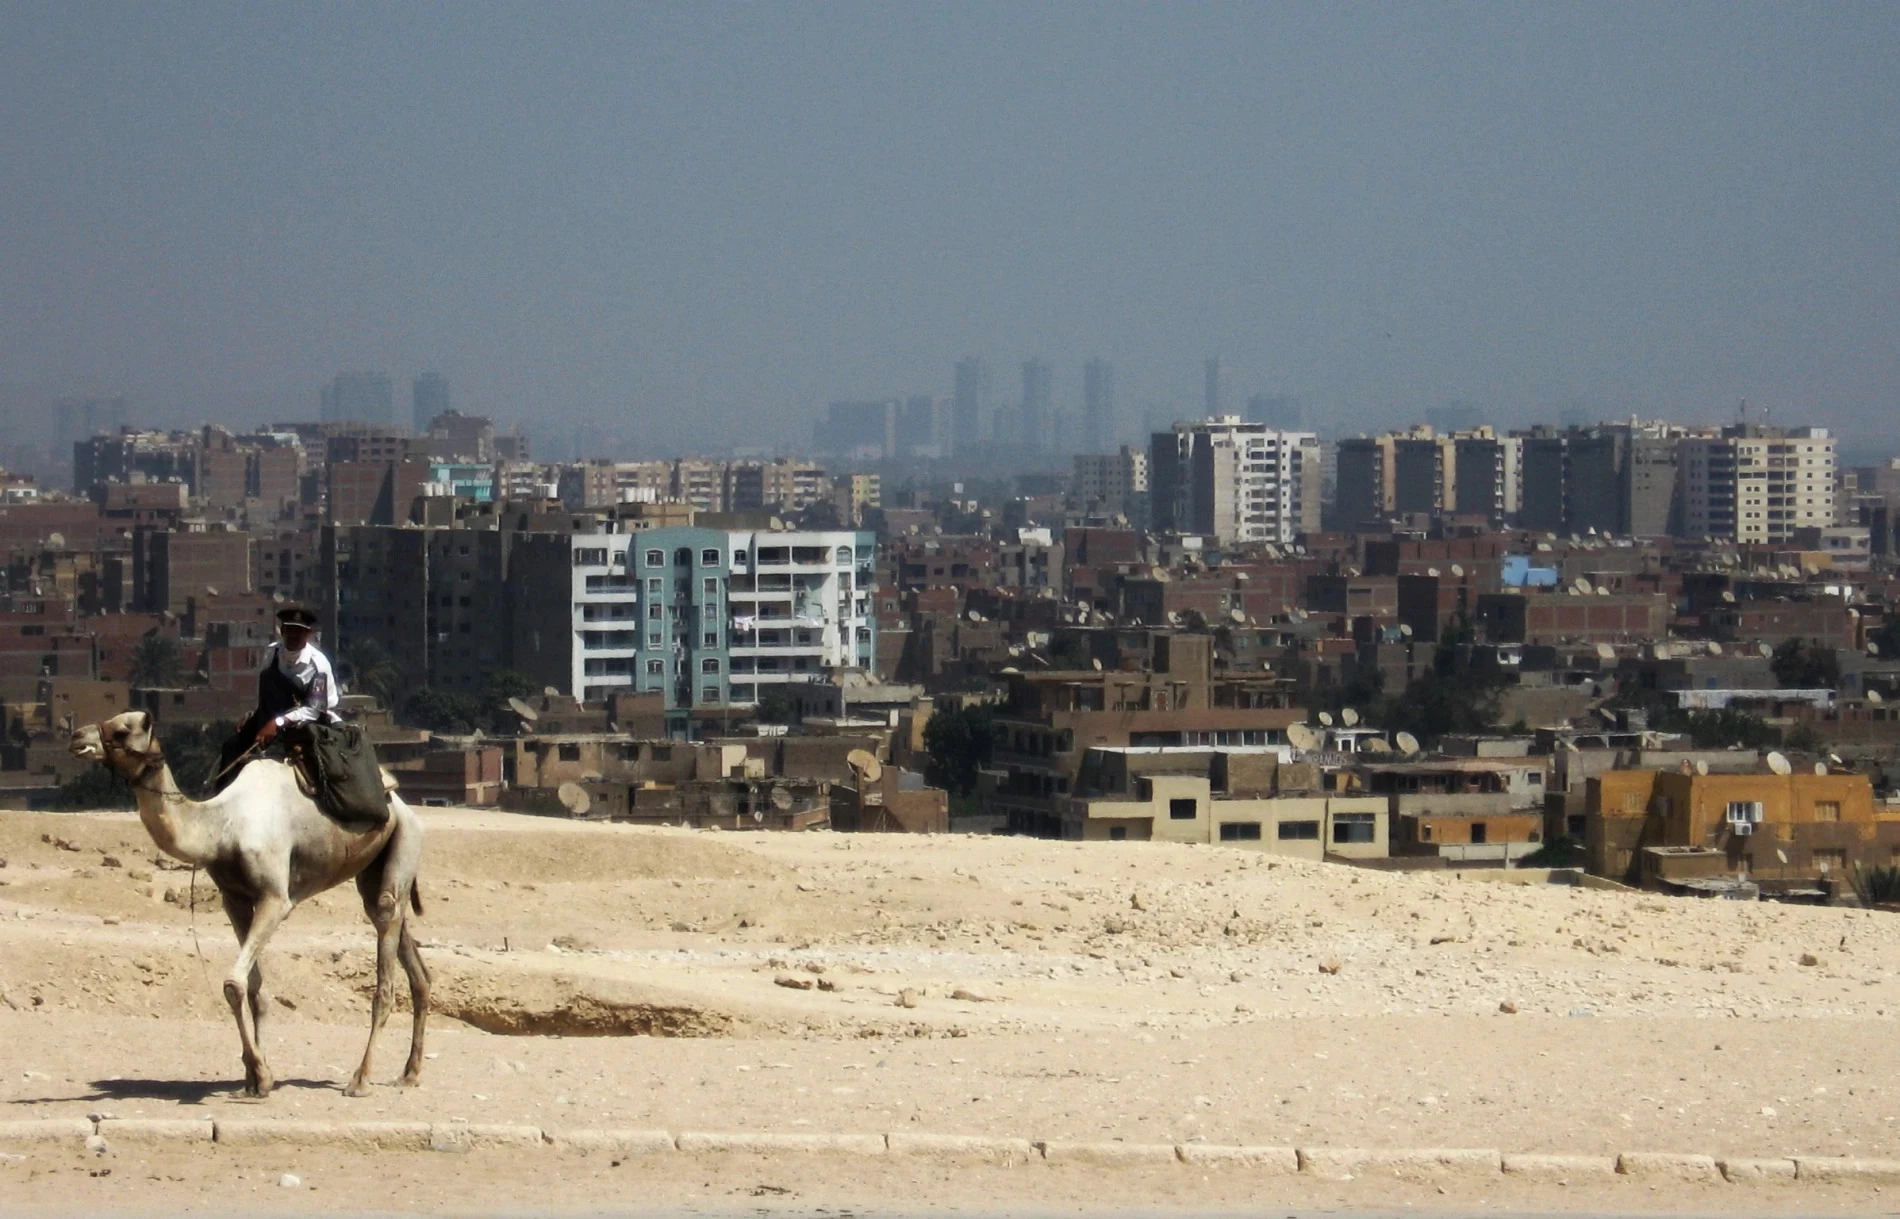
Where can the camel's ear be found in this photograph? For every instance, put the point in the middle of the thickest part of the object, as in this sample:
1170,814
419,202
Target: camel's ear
145,722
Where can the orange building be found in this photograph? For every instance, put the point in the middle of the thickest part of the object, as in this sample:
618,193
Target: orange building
1799,827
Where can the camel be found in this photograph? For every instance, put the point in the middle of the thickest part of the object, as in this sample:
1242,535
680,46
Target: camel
267,846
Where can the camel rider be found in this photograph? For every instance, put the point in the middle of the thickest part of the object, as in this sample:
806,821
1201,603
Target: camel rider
297,687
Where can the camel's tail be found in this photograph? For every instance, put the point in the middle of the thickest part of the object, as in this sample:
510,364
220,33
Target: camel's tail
415,896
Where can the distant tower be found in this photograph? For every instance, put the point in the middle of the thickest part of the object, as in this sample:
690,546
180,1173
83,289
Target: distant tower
969,409
1098,405
1211,386
1038,410
359,397
429,397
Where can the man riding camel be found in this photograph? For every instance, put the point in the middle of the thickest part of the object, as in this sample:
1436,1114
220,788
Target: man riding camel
296,688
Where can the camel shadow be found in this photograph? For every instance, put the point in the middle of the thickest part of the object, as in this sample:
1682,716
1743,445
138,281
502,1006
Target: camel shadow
189,1091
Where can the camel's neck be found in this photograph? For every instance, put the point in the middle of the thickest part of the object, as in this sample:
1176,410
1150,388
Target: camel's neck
182,827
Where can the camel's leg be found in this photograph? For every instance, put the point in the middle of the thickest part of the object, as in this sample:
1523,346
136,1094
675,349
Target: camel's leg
418,1002
238,910
385,911
266,916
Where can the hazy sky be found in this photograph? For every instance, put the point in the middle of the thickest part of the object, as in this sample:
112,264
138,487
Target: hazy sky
696,224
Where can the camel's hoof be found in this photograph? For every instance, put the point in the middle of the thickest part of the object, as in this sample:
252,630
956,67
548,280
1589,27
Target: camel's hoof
411,1079
356,1087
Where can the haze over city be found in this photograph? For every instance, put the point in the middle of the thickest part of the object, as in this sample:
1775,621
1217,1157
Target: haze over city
655,230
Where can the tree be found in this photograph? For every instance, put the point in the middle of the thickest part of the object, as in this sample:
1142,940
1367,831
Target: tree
501,685
193,751
93,788
368,668
1800,666
156,663
442,711
959,741
774,707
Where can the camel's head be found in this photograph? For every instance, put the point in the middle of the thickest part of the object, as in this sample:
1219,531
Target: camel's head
126,743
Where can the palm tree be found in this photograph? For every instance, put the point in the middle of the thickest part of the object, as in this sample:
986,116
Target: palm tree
156,662
368,668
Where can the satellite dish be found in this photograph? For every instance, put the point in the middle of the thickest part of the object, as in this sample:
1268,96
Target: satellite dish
1603,590
1302,737
1097,662
1237,615
1715,649
1873,696
1405,630
1778,763
550,692
1662,651
1376,744
1407,743
574,797
1349,717
1457,569
1873,649
1764,649
865,763
1820,768
1326,718
1605,652
56,540
1009,669
522,709
1581,585
781,799
1432,572
1701,767
1728,597
975,617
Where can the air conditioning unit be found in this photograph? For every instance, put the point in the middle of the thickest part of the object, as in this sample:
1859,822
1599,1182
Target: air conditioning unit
1742,829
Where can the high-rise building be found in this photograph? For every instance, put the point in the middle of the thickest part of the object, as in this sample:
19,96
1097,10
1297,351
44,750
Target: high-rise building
1610,478
1098,405
1212,392
1038,412
359,397
1755,483
712,617
866,430
1234,481
969,414
429,397
1363,481
1485,475
916,430
1109,484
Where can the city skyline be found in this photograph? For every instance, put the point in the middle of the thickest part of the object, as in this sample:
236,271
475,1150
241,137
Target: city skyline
1531,212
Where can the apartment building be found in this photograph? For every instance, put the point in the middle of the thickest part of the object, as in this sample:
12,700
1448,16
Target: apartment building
1111,483
712,617
1234,481
1755,483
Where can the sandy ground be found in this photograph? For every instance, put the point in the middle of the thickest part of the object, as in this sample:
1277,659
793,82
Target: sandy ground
614,976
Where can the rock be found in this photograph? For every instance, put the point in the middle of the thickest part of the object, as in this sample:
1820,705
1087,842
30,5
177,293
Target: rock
110,861
1177,972
827,984
794,982
290,1180
1330,965
969,996
1808,958
1135,900
1508,1007
907,998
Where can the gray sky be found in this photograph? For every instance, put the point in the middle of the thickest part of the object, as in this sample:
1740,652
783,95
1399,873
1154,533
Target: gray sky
696,224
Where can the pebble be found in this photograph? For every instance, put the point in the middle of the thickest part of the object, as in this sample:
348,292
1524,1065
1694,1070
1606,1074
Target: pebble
290,1180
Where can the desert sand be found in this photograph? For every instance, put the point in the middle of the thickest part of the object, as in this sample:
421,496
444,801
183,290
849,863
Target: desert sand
611,976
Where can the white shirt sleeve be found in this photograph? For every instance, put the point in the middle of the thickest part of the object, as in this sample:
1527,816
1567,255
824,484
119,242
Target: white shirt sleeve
321,702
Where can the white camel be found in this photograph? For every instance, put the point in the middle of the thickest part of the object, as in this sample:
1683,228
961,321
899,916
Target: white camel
267,846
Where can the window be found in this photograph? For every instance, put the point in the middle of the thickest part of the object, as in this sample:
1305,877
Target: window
569,753
709,558
844,556
683,557
738,558
1117,833
1742,812
1827,810
711,587
709,694
1833,860
709,665
1478,833
1355,827
711,639
591,557
653,639
1182,809
655,667
1240,831
1299,831
656,558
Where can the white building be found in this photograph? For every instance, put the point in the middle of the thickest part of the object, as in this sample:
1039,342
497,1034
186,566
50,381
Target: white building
712,617
1755,483
1234,481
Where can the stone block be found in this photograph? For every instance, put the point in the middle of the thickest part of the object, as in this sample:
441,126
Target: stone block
1559,1168
73,1130
611,1142
1408,1163
964,1148
1267,1161
362,1136
142,1131
1668,1166
774,1144
1757,1170
1846,1169
1108,1155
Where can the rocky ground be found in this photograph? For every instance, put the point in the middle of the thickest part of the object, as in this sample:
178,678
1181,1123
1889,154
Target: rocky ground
613,976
